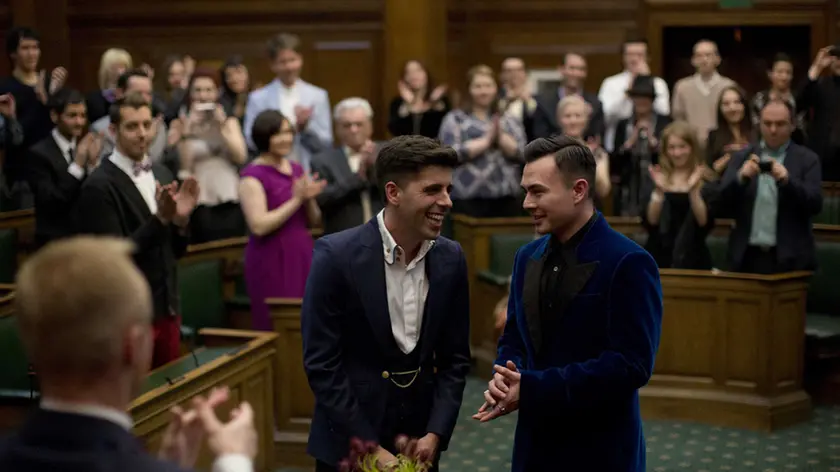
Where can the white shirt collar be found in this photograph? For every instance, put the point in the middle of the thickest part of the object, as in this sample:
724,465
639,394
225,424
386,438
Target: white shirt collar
293,88
63,144
393,250
117,417
705,86
124,162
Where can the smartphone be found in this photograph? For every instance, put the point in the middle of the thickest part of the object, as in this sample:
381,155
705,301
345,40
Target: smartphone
205,107
765,166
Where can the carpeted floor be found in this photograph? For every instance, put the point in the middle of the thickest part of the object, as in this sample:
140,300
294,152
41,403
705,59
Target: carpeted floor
672,446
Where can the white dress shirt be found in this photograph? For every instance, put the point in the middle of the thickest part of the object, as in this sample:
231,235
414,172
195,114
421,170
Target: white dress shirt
223,463
289,99
406,287
354,160
145,181
67,148
618,106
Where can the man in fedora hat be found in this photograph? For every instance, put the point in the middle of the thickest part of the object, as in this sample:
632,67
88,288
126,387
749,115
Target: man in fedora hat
636,143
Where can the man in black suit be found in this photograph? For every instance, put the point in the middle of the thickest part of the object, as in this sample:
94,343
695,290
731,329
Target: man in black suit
127,196
573,69
350,197
58,164
385,316
775,188
90,343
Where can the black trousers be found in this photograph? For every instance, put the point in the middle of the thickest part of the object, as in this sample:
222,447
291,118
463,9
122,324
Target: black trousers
759,260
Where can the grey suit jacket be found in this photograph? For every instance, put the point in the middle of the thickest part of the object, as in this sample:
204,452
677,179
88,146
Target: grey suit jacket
341,200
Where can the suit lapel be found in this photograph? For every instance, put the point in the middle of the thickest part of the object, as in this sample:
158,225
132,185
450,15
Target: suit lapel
531,298
56,156
127,187
341,166
436,297
574,279
370,261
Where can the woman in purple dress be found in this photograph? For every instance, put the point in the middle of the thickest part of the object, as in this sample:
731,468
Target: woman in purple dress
278,201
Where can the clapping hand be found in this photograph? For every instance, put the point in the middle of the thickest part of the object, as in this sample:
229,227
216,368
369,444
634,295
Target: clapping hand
58,78
186,199
183,437
658,178
302,115
7,105
438,93
502,396
405,92
696,178
306,188
41,87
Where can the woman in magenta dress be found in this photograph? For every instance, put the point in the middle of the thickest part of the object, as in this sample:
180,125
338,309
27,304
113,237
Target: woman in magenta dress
278,201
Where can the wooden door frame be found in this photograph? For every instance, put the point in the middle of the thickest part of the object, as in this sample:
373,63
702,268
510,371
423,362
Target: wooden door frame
821,22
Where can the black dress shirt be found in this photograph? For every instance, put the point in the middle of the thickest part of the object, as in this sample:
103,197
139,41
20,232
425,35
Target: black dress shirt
558,257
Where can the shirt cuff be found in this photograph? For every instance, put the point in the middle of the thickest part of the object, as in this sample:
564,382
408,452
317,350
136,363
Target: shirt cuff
233,463
76,171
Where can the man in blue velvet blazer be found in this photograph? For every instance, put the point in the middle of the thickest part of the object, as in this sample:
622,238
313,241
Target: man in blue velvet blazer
583,326
385,316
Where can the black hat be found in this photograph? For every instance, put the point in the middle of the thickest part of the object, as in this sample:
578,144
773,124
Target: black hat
642,87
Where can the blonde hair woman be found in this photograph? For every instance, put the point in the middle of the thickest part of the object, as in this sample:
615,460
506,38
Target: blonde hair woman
676,211
113,63
573,115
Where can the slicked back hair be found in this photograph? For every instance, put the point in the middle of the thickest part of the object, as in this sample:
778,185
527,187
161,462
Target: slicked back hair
573,158
405,156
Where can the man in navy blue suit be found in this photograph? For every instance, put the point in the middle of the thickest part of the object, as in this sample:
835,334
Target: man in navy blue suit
385,318
91,345
584,318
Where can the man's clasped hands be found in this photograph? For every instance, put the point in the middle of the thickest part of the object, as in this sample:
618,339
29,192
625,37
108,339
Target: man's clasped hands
502,394
185,434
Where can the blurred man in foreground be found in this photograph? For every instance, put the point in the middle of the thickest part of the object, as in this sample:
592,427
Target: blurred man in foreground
91,344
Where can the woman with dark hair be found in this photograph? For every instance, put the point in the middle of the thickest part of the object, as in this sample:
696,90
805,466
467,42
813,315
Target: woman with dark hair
236,84
210,147
278,200
734,130
781,76
420,106
489,146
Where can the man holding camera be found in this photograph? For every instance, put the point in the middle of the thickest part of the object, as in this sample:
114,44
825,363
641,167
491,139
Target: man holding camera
775,189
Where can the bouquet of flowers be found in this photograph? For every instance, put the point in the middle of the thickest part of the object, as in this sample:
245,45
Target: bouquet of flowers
363,457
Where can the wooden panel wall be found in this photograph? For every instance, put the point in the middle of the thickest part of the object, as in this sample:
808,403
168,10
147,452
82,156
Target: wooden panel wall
356,47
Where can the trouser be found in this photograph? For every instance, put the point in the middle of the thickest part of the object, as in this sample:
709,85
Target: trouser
167,336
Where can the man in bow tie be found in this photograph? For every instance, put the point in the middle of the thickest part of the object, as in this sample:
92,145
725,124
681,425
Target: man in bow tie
128,196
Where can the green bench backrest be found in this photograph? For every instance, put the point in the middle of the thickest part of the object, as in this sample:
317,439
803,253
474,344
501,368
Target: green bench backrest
503,249
824,290
830,214
8,255
14,366
718,247
200,287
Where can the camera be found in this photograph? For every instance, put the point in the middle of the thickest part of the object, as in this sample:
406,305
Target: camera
765,166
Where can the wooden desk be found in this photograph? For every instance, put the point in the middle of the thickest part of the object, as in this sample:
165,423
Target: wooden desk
731,351
241,360
294,402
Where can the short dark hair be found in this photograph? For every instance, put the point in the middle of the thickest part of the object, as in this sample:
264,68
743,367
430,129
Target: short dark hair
122,81
633,41
267,124
572,157
133,100
566,55
61,99
282,42
781,57
16,35
778,101
405,156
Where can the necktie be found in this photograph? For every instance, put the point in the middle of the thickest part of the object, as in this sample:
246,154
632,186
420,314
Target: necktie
71,155
140,167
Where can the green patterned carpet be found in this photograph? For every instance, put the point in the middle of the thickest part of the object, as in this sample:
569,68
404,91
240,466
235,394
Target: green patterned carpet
810,447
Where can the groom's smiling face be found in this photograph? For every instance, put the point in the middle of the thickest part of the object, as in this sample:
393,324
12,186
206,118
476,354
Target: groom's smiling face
424,200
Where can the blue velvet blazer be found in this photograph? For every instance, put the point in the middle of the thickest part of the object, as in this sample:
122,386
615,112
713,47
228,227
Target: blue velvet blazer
579,402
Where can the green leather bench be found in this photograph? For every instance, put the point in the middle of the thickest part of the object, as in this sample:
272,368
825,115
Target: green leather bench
822,328
830,214
8,255
503,249
200,285
172,372
15,382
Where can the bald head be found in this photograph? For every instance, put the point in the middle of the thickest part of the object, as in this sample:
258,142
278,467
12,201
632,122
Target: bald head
79,301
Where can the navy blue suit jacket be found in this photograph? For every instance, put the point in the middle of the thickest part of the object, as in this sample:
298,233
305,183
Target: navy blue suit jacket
579,402
63,442
348,342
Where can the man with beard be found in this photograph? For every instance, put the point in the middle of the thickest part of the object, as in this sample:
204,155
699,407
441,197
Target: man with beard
583,326
58,164
385,317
